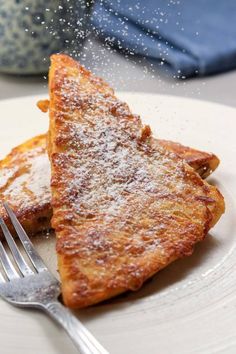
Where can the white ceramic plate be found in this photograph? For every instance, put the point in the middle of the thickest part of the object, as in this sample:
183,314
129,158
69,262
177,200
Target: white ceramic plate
189,307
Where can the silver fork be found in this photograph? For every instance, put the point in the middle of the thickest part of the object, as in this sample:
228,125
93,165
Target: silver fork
39,288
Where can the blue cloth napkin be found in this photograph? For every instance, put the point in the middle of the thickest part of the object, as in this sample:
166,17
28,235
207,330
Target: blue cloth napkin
194,37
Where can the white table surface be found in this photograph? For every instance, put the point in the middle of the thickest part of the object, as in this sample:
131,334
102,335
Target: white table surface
130,74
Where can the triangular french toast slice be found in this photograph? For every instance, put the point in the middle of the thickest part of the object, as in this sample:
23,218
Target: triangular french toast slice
27,166
123,207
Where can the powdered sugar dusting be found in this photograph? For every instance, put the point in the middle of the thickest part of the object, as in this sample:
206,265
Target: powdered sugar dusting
115,163
26,183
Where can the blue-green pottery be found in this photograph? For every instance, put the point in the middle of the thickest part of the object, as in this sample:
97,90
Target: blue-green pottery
31,30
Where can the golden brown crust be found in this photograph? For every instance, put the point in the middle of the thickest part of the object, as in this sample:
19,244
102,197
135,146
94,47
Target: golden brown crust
23,188
123,207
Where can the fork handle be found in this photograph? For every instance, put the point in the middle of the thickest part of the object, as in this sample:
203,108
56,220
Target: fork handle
82,338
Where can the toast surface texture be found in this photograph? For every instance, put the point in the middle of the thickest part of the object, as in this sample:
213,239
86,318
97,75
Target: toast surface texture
25,185
28,163
123,207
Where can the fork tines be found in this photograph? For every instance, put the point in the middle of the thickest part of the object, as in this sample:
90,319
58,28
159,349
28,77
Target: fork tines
32,254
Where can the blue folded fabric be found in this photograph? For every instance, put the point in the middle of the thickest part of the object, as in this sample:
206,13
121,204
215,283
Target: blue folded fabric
194,37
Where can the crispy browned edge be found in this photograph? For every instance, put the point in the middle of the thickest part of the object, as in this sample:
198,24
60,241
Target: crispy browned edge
204,163
35,217
215,210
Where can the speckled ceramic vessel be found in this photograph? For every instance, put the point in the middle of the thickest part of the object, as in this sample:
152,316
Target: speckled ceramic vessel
31,30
